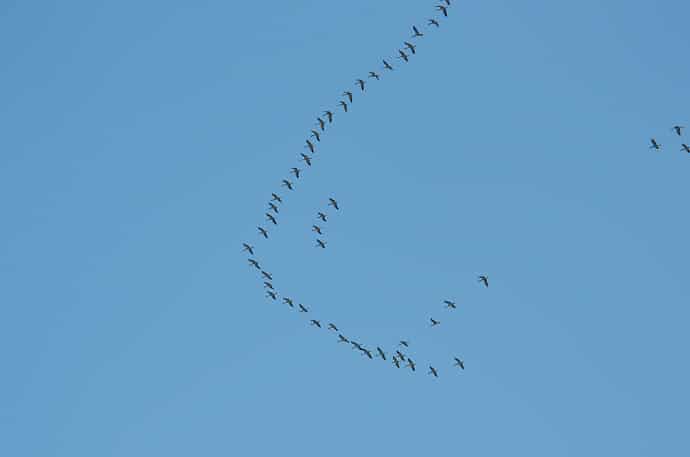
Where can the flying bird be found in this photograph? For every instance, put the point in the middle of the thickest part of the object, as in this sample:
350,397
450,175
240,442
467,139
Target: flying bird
417,33
367,352
449,304
263,232
273,207
315,322
302,309
288,301
329,114
306,159
404,343
447,2
381,353
432,370
342,339
401,356
321,244
411,47
403,56
322,217
356,345
333,203
443,9
287,184
434,322
373,74
254,264
387,66
678,129
276,198
296,172
396,362
268,285
316,135
322,124
310,145
484,279
270,293
410,364
266,275
655,145
360,83
348,94
434,22
459,363
344,105
332,327
269,217
685,148
248,248
317,229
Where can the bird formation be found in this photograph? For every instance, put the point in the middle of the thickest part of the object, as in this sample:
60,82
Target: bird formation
397,358
678,130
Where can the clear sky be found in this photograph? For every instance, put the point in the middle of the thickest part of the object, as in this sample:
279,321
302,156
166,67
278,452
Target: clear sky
140,142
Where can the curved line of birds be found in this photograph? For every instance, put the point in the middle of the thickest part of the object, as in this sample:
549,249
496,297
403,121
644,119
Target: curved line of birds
401,355
678,129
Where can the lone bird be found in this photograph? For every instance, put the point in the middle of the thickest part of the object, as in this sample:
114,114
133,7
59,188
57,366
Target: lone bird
276,198
310,145
396,362
273,207
360,83
270,293
678,129
317,229
484,279
267,275
321,244
306,159
434,322
348,94
302,308
404,343
410,364
333,203
373,74
248,248
459,363
381,353
287,184
315,322
449,304
655,145
403,56
322,124
322,217
344,105
411,47
296,172
329,115
288,301
342,339
685,148
254,264
434,22
443,9
417,33
263,232
332,326
269,217
316,135
432,370
387,66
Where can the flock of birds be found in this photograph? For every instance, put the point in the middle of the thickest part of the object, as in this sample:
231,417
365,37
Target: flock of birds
401,354
678,129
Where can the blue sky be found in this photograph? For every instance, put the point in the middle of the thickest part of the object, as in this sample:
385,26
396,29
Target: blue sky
141,142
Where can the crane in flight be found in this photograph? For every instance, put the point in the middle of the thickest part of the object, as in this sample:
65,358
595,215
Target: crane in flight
483,279
248,248
459,363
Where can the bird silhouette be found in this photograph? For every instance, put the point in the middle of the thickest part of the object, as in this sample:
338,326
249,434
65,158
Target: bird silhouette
344,105
255,264
248,248
459,363
276,198
396,362
342,339
316,323
417,33
678,129
401,356
321,244
270,293
411,47
348,94
655,145
381,353
267,275
685,148
367,352
404,343
263,232
332,326
333,203
310,145
322,217
403,56
410,363
296,172
317,229
322,124
387,66
306,159
360,83
268,285
373,74
449,304
433,371
434,322
447,2
269,217
356,345
434,22
329,115
302,308
273,207
484,279
443,9
316,135
288,301
287,184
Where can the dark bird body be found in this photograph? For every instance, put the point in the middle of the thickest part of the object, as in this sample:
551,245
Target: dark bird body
317,229
302,308
416,33
655,145
287,184
322,216
248,248
263,232
483,279
306,159
434,322
433,371
321,244
266,275
316,323
254,263
296,172
686,148
269,217
459,363
333,203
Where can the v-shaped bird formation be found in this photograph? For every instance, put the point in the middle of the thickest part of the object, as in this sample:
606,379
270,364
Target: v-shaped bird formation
396,356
